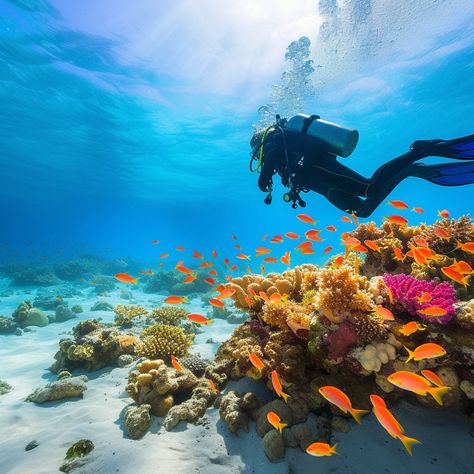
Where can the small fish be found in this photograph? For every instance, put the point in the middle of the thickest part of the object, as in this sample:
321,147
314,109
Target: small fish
341,400
338,261
262,269
126,278
360,248
462,267
389,293
456,276
466,246
234,237
417,384
217,303
398,204
180,249
321,449
356,220
421,242
209,281
252,292
262,251
372,245
242,256
331,228
424,297
410,328
175,363
433,378
307,251
197,254
182,269
327,250
233,268
154,242
395,219
249,270
389,422
444,214
214,253
346,219
160,265
270,260
213,387
433,311
164,255
286,258
198,318
442,233
430,350
292,235
276,296
190,278
173,299
275,421
351,242
277,386
399,254
264,296
313,234
256,361
212,272
226,261
265,237
277,239
385,313
306,219
225,293
419,210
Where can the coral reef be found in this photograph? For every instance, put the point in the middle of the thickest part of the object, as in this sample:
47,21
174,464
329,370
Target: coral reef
160,341
124,314
137,420
7,325
5,387
102,306
69,387
234,409
76,455
39,276
465,316
172,282
26,315
169,315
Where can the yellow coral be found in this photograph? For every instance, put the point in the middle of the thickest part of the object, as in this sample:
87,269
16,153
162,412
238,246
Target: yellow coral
161,341
125,313
128,343
369,327
465,316
169,315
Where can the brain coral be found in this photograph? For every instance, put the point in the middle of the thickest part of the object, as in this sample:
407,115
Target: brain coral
160,341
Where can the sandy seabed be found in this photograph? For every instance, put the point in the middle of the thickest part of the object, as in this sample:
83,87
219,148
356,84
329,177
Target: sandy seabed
206,448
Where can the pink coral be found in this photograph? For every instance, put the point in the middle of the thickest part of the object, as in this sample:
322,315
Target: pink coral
406,288
341,340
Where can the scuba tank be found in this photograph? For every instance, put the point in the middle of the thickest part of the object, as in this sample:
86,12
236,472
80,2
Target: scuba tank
340,141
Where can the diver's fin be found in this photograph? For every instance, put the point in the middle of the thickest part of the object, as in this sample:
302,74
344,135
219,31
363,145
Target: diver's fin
448,174
457,148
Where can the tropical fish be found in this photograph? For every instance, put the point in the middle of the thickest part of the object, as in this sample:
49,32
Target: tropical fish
276,239
360,248
270,260
306,219
346,219
182,269
237,247
262,269
225,293
180,249
164,255
126,278
292,235
389,293
331,228
198,318
417,384
175,363
264,296
338,261
455,275
372,245
433,311
341,400
385,313
420,241
214,253
307,251
277,386
356,220
242,256
197,254
217,303
286,258
256,361
233,268
398,254
313,234
430,350
327,250
462,267
154,242
226,261
424,297
398,204
433,378
212,272
395,219
265,237
466,246
389,422
321,449
275,421
190,278
276,296
351,242
252,292
262,251
213,386
410,328
209,281
442,233
444,214
173,299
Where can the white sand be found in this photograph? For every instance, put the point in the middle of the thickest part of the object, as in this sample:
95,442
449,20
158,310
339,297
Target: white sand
207,448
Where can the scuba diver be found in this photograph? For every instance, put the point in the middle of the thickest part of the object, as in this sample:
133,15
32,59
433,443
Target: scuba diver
303,151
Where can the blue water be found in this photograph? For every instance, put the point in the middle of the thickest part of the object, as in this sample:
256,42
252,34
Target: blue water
119,124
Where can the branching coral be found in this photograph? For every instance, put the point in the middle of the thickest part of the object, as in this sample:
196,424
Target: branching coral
124,314
161,341
168,315
369,327
286,314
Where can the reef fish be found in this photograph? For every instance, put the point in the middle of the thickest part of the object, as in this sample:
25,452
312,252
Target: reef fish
213,386
198,318
417,384
173,299
410,328
444,214
419,210
190,278
433,311
346,219
306,219
372,245
466,246
256,361
341,400
286,258
292,235
313,234
270,260
126,278
217,303
391,425
396,219
331,228
277,386
397,204
275,421
321,449
455,275
276,239
433,378
430,350
385,313
225,293
175,363
327,250
424,297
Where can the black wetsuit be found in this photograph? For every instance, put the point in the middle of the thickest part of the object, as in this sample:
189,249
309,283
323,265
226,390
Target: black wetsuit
312,167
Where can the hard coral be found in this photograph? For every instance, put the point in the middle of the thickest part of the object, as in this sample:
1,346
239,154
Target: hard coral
124,314
160,341
168,315
465,315
405,290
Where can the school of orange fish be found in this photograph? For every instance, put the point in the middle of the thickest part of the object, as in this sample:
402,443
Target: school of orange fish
427,383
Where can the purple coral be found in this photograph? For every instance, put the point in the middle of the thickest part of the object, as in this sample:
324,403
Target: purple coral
341,340
406,288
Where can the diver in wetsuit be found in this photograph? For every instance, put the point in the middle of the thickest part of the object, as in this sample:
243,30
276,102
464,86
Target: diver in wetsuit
309,163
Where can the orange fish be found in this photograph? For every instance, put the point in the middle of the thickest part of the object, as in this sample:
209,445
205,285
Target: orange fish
252,292
338,261
313,234
270,260
395,219
292,235
420,241
256,361
360,248
389,422
233,268
286,258
180,249
399,254
351,242
462,267
433,378
275,421
385,313
444,214
217,303
430,350
262,251
264,296
306,219
321,449
307,251
196,254
455,276
226,261
213,386
214,253
466,246
262,269
346,219
277,386
126,278
277,239
154,242
182,269
424,297
209,281
198,318
331,228
419,210
276,296
228,278
249,270
242,256
341,400
164,255
410,328
389,293
175,363
190,278
442,233
372,245
265,237
173,299
433,311
417,384
398,204
212,272
327,250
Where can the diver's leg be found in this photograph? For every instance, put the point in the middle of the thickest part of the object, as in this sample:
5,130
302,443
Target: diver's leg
346,202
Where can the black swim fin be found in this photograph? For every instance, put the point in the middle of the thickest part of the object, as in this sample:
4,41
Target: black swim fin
457,148
448,174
